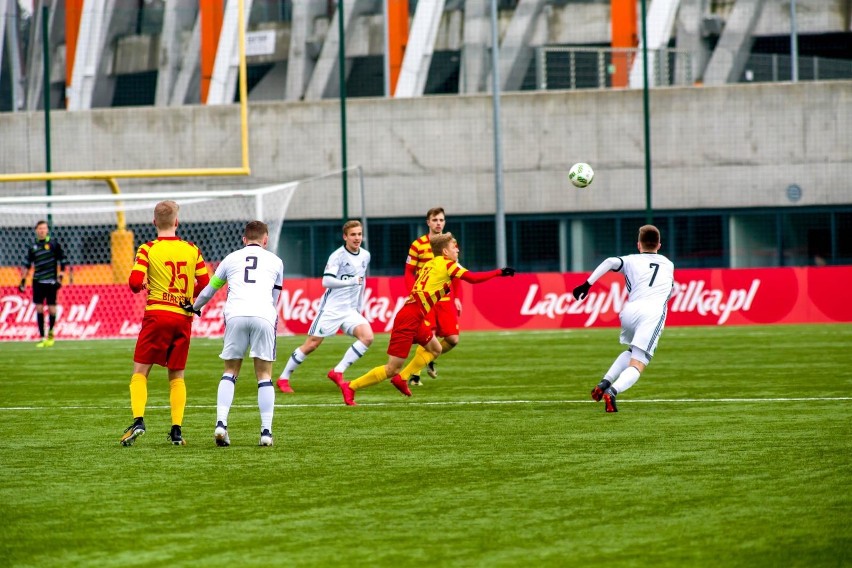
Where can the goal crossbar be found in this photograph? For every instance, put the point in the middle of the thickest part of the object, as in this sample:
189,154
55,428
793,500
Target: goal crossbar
153,196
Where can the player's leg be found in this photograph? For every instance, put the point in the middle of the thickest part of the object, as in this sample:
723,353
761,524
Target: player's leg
358,327
405,328
265,399
447,328
138,402
297,357
152,347
641,329
51,312
615,369
38,302
263,353
224,400
627,378
177,354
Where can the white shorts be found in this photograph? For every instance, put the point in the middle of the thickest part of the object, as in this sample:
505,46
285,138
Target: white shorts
327,323
642,325
249,331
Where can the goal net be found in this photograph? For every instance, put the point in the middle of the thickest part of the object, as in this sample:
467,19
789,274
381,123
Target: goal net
100,234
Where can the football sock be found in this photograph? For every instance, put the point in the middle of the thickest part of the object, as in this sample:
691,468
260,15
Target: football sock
52,322
296,359
265,403
40,319
421,359
626,379
177,399
225,397
618,366
355,352
375,375
138,394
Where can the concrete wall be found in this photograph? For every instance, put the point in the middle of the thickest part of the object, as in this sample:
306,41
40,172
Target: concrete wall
727,147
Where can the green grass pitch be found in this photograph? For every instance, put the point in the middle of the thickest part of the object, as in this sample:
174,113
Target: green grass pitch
733,449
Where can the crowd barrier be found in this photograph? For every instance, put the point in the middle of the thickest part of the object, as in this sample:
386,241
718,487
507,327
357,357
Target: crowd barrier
529,301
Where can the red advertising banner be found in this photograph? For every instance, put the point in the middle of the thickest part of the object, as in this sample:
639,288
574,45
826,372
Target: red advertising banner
527,301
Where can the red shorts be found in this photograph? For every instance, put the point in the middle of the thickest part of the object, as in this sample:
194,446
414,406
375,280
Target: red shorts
444,319
163,340
408,329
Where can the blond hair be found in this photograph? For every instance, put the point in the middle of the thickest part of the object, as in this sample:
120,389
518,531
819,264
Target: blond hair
165,214
440,242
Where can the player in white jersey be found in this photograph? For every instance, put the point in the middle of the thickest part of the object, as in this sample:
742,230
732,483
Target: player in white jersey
649,278
254,277
343,277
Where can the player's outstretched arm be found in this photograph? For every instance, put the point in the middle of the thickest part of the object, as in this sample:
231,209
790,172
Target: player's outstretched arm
477,277
611,264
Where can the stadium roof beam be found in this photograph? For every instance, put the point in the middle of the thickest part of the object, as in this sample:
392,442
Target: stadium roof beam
101,24
178,16
734,46
187,89
475,46
223,83
325,81
35,59
421,45
304,46
660,20
690,37
516,50
9,33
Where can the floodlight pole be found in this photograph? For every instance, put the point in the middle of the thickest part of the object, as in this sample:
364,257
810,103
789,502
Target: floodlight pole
341,56
794,44
45,58
499,205
646,112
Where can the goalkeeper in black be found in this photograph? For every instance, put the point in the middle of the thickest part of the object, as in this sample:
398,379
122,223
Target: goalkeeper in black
50,271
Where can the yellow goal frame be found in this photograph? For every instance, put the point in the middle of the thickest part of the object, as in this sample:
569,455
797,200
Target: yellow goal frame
110,176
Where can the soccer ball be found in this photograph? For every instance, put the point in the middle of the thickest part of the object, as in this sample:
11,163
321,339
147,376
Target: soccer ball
581,174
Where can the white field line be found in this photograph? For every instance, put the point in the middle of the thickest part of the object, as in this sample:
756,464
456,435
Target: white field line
466,403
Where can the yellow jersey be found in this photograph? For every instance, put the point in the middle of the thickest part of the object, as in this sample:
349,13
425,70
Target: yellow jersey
433,282
171,266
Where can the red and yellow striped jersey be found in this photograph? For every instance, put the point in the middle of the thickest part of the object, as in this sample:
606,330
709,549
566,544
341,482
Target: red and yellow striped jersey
420,253
171,265
434,282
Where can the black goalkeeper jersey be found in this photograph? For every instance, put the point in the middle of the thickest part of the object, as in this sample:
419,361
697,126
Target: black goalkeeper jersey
45,255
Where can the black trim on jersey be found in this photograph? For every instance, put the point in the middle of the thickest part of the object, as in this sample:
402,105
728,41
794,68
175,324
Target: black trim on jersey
277,287
621,260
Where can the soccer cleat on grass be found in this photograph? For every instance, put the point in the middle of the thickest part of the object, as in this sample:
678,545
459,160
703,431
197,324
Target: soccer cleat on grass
430,368
220,434
175,436
265,438
132,432
609,400
348,394
284,385
335,377
414,381
598,391
401,385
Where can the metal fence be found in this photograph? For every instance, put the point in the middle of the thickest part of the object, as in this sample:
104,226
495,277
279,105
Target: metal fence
595,67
